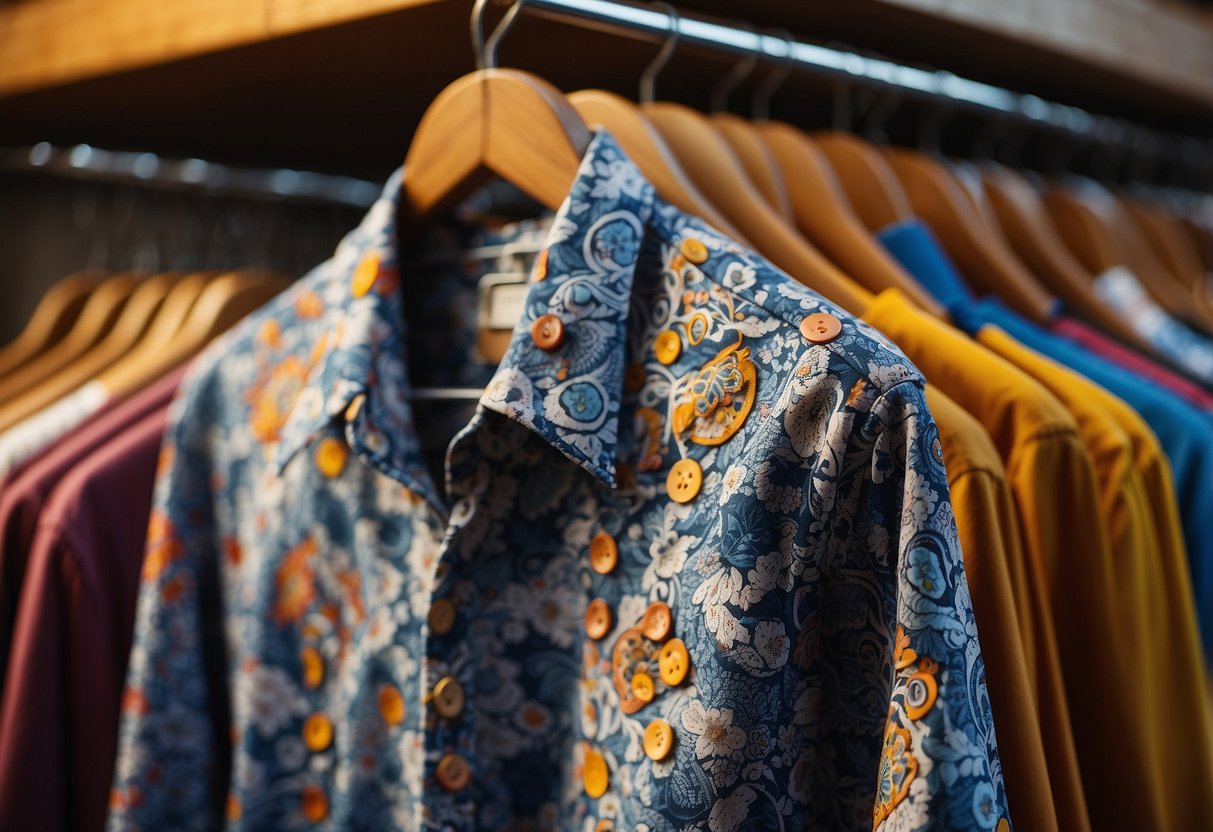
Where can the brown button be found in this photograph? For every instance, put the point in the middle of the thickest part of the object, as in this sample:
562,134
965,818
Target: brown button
642,687
391,704
317,732
594,774
667,346
673,662
658,740
684,480
313,667
694,251
448,697
441,616
547,332
315,803
657,621
541,265
453,772
820,328
597,619
604,553
633,378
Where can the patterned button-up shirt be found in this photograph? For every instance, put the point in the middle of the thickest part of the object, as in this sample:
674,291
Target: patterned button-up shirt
328,637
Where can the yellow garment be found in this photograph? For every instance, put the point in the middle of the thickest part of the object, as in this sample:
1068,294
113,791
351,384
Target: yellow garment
1151,576
989,539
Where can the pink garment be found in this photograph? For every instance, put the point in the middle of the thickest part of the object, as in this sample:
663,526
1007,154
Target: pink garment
1105,347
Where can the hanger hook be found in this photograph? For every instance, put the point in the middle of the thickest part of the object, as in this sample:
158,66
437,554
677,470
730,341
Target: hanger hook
760,104
648,80
486,50
725,86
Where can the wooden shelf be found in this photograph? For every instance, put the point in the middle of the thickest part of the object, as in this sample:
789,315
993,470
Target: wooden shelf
339,84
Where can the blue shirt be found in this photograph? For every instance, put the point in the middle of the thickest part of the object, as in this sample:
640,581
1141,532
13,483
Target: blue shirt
690,569
1184,432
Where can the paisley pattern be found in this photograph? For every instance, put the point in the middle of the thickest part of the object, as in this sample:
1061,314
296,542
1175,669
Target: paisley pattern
323,559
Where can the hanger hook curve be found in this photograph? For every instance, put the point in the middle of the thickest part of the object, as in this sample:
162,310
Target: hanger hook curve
726,85
486,50
760,104
648,80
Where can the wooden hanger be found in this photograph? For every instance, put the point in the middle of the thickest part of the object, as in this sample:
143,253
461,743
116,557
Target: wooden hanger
52,319
625,122
132,323
871,186
181,332
1201,237
1168,241
1088,239
757,160
712,165
1025,224
824,215
95,321
982,257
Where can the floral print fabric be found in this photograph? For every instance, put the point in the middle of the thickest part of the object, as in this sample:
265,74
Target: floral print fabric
327,638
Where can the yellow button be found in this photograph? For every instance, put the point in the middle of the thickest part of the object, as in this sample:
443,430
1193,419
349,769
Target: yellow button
541,265
633,378
604,553
658,740
547,332
441,616
594,774
331,454
694,251
391,704
448,697
597,619
365,275
605,825
667,346
642,687
315,803
820,328
313,667
684,480
453,772
674,662
657,621
317,732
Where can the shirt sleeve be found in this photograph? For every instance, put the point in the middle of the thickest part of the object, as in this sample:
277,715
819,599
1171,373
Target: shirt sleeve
174,753
939,766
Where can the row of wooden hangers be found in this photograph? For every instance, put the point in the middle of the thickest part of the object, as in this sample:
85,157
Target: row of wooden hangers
121,331
810,203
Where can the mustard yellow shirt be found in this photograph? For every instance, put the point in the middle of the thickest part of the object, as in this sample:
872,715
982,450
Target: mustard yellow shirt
1152,580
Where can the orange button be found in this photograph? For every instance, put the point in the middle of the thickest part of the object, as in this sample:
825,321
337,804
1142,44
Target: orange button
594,774
605,825
657,621
684,480
331,454
448,697
673,662
820,328
315,803
441,616
642,687
694,251
547,332
633,378
541,265
597,619
453,772
604,553
667,346
365,275
391,705
313,667
317,732
658,740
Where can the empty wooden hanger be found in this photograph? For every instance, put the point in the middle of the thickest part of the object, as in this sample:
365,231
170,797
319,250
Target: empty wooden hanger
135,320
871,186
96,319
1168,241
52,319
985,260
757,161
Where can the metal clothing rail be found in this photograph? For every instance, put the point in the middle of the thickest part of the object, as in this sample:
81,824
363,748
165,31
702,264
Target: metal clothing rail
646,22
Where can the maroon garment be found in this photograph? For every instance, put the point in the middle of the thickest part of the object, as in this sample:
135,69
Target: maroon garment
73,635
1105,347
23,495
